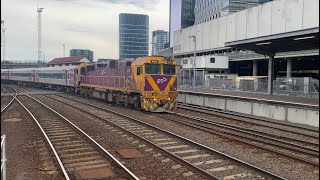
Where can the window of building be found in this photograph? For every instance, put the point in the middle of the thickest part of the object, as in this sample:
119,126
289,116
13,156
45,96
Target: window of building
212,60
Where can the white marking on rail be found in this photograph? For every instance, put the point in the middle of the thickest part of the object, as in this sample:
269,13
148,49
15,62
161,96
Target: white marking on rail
165,139
157,155
129,127
196,156
142,145
153,133
149,150
166,160
184,152
220,169
176,147
188,174
167,143
208,162
176,167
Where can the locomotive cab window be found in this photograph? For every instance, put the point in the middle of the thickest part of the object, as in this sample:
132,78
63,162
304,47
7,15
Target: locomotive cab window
169,69
153,69
138,71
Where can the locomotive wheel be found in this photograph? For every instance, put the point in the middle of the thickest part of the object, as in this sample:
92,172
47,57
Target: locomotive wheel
136,105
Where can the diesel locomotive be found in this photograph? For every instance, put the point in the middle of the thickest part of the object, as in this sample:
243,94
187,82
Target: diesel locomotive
148,83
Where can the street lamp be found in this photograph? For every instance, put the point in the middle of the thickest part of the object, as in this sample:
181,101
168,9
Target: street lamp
194,60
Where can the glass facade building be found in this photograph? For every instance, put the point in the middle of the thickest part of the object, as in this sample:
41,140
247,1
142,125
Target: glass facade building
206,10
82,52
181,16
159,39
133,35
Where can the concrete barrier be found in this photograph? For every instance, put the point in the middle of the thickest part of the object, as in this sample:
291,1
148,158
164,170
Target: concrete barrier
281,111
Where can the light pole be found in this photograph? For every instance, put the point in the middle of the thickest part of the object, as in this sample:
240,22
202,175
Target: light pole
39,10
194,60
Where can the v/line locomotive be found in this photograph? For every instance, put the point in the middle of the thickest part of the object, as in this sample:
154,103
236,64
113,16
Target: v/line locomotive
148,83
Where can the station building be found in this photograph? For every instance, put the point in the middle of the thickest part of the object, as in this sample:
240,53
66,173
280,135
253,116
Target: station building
287,31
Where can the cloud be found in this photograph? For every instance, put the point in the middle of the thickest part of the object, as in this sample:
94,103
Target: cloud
144,4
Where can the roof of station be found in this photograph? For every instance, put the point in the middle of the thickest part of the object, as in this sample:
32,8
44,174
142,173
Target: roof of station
269,45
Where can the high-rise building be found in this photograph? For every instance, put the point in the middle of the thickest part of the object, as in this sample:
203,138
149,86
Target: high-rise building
206,10
133,35
82,52
159,39
181,16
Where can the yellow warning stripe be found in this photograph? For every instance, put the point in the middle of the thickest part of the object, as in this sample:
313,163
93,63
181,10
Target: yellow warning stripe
153,84
173,78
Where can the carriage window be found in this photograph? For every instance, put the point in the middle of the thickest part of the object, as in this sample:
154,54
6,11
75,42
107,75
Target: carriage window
138,71
169,69
153,69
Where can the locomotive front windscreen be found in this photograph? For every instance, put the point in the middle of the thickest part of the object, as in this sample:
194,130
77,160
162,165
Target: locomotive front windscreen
169,69
153,69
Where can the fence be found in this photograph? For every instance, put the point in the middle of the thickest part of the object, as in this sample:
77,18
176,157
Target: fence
3,158
302,87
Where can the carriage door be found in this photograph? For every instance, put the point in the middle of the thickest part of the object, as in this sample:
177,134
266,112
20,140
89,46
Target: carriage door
71,76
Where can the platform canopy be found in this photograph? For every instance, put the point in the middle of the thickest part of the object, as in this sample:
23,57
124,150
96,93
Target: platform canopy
269,45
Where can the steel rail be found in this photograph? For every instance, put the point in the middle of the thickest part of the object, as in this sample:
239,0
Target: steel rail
181,137
171,155
13,97
235,116
87,136
233,137
296,147
47,138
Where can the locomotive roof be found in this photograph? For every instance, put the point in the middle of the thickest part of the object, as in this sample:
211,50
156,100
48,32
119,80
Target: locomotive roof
148,59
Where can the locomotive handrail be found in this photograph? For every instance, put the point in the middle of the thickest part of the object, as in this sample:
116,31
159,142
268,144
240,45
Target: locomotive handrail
109,81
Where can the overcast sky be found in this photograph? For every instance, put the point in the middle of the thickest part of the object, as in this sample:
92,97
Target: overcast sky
84,24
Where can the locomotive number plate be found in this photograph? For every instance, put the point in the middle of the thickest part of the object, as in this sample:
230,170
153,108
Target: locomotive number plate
154,61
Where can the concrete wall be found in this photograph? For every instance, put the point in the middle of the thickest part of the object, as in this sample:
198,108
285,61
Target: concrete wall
276,111
279,16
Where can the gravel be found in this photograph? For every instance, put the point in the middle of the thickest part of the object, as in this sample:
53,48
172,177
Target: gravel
275,163
152,166
271,131
28,155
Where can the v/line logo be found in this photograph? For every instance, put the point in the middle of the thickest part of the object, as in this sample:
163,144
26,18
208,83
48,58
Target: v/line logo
161,81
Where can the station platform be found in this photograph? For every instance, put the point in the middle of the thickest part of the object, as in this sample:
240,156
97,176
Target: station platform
294,100
299,110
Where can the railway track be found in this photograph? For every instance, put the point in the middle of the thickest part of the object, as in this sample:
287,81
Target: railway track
202,160
74,150
250,137
7,101
278,125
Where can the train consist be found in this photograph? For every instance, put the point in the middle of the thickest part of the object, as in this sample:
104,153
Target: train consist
148,83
